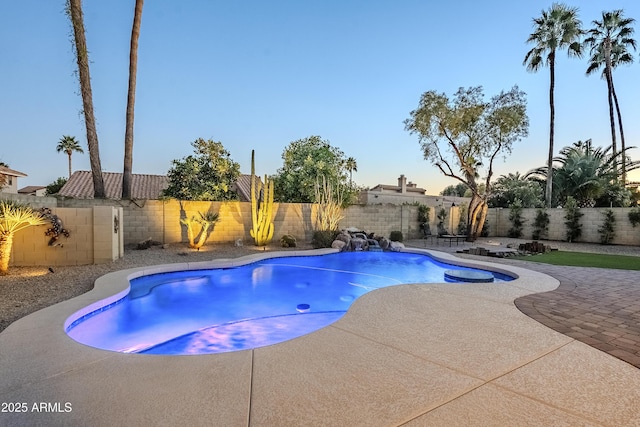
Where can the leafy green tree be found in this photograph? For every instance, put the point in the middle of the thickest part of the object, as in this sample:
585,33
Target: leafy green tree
209,174
585,173
305,161
55,186
511,187
131,100
556,29
609,41
458,190
79,41
515,216
69,144
464,135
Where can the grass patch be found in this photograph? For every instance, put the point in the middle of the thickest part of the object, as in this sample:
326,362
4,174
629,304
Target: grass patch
584,259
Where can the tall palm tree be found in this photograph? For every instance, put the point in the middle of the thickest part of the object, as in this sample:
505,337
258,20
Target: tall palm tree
351,165
74,11
609,41
131,99
557,29
69,144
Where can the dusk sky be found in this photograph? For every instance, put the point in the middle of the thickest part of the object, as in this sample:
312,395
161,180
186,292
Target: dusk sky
259,75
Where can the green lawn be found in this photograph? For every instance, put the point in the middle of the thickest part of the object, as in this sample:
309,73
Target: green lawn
583,259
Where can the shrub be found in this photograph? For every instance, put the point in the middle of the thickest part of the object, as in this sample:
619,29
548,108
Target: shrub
634,216
396,236
485,229
288,241
572,216
540,224
323,238
423,213
515,216
607,229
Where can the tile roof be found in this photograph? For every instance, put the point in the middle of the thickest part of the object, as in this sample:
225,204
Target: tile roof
243,187
6,171
30,189
144,187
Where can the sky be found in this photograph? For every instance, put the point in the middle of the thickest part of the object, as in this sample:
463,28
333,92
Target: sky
260,75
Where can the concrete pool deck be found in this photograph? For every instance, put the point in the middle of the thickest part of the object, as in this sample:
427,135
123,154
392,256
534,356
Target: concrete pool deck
437,354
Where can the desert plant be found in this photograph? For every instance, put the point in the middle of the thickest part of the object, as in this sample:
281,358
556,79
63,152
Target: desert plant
329,201
462,223
607,229
572,216
13,218
634,216
515,216
288,241
396,236
485,229
206,221
261,208
540,224
323,238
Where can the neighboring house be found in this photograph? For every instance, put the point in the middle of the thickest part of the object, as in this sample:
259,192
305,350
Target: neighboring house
405,192
11,180
143,187
33,190
243,187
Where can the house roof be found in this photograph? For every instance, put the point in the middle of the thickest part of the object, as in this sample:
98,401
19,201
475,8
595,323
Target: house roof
29,189
396,188
6,171
243,187
80,185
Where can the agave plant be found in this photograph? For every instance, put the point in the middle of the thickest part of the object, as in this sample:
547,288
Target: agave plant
206,221
13,218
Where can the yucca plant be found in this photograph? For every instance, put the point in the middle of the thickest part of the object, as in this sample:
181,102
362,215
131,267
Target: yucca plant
207,220
13,218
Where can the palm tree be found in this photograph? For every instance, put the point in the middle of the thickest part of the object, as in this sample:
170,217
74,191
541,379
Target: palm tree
74,11
609,41
351,165
131,97
558,28
69,144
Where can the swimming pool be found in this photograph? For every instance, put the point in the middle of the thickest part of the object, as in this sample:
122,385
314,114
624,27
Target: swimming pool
250,306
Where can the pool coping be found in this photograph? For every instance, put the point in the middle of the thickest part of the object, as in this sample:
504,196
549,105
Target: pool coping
395,341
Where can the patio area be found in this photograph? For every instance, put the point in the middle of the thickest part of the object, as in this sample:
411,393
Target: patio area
454,354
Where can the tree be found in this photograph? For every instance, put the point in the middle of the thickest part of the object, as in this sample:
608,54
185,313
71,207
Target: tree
13,218
74,11
3,177
558,28
69,144
463,136
457,190
55,186
209,174
131,100
513,186
305,161
351,166
609,41
585,173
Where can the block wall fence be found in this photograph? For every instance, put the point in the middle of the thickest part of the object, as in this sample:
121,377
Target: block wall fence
95,238
160,220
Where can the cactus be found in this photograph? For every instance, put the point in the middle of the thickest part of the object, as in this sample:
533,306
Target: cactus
261,210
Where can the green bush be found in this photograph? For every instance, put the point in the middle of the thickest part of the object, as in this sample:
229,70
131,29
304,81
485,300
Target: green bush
607,229
634,216
540,224
572,216
396,236
323,238
288,241
515,216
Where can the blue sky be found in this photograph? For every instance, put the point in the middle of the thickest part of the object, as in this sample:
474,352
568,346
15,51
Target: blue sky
259,75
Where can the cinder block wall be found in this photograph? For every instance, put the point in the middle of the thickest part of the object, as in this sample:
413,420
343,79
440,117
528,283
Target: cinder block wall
91,239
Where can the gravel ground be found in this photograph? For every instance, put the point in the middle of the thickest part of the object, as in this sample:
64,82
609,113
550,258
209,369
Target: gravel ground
25,290
28,289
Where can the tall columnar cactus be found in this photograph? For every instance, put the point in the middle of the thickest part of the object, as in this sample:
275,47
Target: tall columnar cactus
261,207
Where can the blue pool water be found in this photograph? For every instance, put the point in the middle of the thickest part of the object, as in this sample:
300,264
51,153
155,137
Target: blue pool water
229,309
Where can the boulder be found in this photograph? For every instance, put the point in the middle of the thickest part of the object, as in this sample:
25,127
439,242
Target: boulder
338,244
396,246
